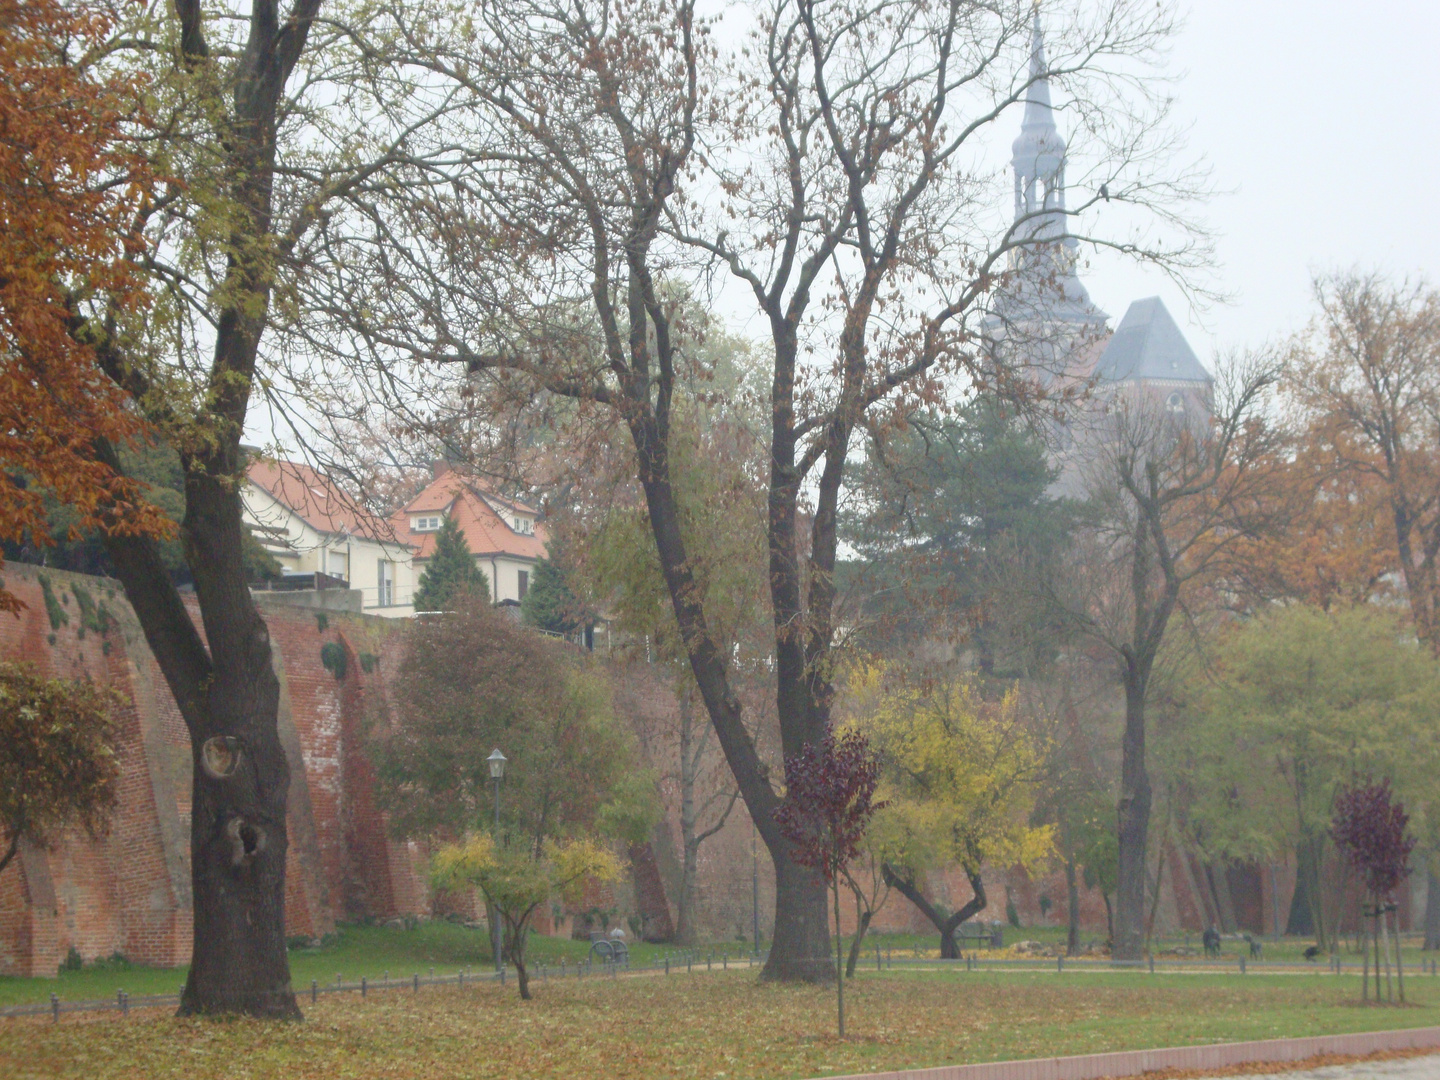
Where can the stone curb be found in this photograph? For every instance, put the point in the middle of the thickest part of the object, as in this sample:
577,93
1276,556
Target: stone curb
1136,1062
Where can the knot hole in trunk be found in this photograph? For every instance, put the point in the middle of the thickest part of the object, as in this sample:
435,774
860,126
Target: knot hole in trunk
247,841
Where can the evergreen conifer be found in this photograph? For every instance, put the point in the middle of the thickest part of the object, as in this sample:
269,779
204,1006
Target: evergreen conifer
450,573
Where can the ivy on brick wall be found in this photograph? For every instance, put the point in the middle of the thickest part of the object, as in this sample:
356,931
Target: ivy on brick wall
332,655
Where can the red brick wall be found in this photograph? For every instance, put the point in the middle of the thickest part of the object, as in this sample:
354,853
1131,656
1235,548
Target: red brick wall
129,891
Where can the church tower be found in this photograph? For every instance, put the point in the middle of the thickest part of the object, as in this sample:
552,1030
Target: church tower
1042,314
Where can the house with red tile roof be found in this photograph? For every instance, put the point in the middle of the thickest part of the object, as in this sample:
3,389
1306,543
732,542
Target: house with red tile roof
311,525
504,534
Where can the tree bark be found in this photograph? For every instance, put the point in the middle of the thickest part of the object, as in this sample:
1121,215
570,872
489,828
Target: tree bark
946,924
225,685
1134,822
863,915
1072,894
1432,909
230,694
1300,922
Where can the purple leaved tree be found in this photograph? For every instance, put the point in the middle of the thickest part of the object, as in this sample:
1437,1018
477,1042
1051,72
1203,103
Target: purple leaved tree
1369,828
829,799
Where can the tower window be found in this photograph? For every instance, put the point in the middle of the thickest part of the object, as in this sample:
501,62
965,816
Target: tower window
1175,403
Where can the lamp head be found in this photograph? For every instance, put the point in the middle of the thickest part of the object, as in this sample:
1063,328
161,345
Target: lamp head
497,764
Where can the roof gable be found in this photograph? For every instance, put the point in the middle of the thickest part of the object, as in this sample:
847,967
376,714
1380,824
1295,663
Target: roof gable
477,511
317,500
1149,345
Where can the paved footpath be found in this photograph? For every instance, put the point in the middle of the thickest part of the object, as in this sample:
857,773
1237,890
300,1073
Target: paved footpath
1420,1068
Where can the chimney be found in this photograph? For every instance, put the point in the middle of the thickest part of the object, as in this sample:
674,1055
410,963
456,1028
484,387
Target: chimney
438,468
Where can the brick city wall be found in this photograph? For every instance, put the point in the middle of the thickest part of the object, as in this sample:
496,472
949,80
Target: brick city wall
129,891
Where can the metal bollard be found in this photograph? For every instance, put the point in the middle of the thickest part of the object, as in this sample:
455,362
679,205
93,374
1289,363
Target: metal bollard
1242,965
363,985
877,957
123,1000
709,959
1152,963
687,963
667,963
314,990
462,978
54,1008
889,960
1060,963
417,982
725,960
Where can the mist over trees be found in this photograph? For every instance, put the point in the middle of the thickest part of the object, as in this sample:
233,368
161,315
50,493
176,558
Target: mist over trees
496,232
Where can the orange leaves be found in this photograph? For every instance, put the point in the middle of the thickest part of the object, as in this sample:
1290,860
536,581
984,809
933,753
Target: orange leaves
70,185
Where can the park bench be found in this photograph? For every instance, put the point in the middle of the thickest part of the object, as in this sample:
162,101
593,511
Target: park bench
609,950
981,935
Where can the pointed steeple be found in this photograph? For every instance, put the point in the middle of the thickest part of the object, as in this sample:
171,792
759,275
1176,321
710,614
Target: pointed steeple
1038,153
1044,304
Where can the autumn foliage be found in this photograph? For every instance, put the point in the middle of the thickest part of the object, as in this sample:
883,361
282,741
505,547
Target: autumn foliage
57,757
1369,826
70,183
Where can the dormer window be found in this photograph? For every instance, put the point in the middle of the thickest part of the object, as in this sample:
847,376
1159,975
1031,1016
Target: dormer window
524,526
430,523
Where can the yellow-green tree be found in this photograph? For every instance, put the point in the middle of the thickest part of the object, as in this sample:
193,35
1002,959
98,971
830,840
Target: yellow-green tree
959,775
1291,706
517,879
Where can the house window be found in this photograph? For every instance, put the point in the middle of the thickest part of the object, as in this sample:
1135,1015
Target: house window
524,576
427,524
385,581
338,565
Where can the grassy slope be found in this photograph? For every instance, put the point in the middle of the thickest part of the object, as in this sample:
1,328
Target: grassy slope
717,1025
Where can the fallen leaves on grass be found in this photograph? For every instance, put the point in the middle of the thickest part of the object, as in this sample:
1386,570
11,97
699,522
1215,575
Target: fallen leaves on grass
692,1028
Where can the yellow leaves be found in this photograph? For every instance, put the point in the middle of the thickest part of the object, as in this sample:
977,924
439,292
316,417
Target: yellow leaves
514,878
958,771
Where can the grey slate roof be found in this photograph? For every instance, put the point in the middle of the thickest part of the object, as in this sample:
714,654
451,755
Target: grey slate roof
1148,345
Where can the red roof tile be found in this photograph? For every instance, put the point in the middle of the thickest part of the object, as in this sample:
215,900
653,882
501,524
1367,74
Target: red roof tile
469,502
318,501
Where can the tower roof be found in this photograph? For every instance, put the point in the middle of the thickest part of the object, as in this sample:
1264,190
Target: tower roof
1149,345
1038,149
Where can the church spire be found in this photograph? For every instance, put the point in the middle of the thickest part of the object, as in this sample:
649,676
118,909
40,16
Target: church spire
1038,154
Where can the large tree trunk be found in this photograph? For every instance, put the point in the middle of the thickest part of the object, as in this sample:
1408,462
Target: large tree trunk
1133,825
1301,920
800,948
229,696
800,944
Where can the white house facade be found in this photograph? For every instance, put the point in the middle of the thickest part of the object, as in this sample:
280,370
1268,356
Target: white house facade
312,526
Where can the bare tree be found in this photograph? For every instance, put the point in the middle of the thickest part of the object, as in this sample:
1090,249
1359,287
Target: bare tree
1173,495
1367,383
835,180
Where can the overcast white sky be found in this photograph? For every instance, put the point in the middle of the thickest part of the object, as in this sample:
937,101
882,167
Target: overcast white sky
1321,118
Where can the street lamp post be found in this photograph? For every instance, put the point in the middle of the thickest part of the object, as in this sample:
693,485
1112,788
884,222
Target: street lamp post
496,761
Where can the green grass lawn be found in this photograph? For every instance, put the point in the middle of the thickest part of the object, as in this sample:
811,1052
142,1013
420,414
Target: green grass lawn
352,952
716,1025
446,947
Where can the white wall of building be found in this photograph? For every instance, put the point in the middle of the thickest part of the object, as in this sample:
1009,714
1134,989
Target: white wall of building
300,548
